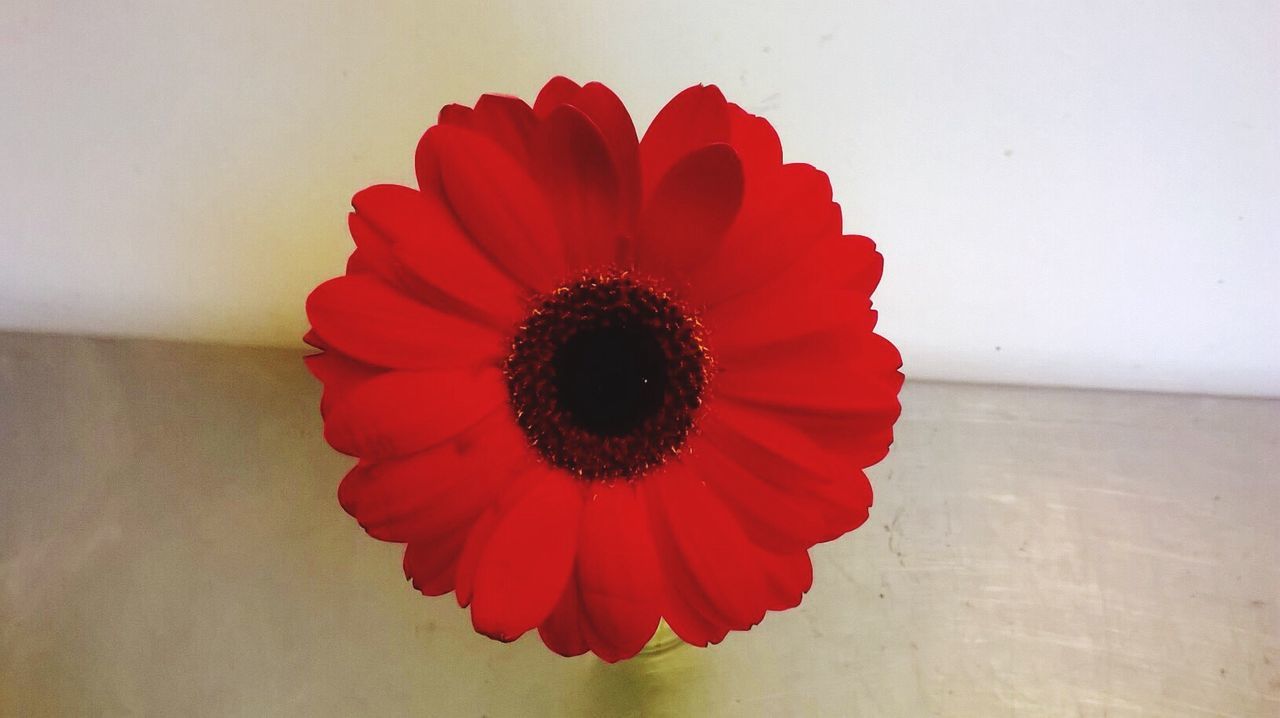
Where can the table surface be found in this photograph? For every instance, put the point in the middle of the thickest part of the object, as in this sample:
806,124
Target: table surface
170,544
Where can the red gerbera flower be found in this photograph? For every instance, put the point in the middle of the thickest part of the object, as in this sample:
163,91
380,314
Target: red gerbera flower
594,381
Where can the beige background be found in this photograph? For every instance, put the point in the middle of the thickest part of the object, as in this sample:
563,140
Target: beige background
171,545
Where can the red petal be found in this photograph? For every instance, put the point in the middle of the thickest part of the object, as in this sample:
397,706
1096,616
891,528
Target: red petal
755,140
859,380
848,264
577,174
527,561
690,210
721,560
508,121
432,565
853,253
774,517
383,496
500,206
468,560
685,605
826,290
862,441
365,319
696,117
787,458
762,319
617,572
400,413
761,441
556,92
482,531
611,117
373,252
789,576
833,372
438,491
455,114
312,339
689,623
782,217
339,375
426,163
562,630
426,241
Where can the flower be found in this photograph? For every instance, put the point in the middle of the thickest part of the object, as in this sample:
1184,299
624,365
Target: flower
593,381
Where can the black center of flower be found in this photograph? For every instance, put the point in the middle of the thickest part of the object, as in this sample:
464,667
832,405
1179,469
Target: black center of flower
606,376
608,380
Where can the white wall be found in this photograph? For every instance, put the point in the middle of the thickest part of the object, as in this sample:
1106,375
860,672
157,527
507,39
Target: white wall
1066,193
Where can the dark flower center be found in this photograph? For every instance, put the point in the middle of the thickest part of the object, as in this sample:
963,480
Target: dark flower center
610,379
606,375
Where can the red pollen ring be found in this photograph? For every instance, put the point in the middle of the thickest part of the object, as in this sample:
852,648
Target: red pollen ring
606,376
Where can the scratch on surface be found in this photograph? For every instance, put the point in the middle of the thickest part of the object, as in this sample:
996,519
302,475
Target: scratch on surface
1126,494
1204,709
1148,551
892,528
1081,643
1111,703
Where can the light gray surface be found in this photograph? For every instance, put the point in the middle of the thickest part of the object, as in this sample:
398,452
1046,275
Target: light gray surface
170,544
